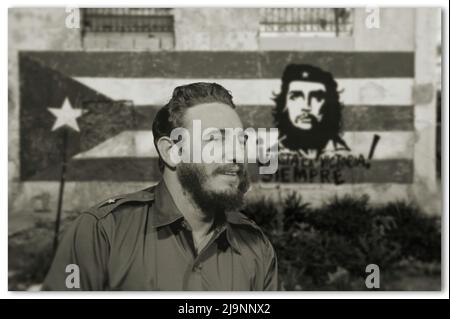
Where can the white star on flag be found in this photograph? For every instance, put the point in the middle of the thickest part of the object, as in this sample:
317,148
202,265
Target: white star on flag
66,116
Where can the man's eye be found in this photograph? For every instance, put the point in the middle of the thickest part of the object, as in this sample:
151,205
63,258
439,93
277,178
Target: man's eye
294,96
319,98
211,138
243,139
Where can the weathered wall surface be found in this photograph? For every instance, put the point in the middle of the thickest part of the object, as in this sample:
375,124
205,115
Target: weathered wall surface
402,30
30,29
216,29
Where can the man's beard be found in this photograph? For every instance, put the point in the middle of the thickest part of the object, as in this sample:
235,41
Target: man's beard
193,179
296,138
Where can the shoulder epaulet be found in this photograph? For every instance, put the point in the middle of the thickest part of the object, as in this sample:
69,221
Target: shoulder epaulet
251,227
250,222
107,206
242,219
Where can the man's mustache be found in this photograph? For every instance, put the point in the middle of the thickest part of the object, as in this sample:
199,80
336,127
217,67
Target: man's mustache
236,168
304,116
240,170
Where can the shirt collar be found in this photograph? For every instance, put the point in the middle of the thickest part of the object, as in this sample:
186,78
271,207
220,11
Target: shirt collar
166,213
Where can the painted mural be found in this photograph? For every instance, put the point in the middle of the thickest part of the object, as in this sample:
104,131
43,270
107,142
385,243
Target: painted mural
308,115
340,120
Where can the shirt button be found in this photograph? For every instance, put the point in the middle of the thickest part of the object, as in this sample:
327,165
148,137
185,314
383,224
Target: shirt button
198,268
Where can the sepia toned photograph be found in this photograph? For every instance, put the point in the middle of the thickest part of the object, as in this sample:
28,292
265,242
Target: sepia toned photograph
224,149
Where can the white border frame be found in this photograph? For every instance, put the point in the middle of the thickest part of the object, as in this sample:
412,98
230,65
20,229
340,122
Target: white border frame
4,293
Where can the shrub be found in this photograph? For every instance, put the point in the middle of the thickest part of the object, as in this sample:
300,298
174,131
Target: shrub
263,212
418,235
30,253
329,247
294,211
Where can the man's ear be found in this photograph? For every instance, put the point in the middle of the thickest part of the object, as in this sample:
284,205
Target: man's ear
167,151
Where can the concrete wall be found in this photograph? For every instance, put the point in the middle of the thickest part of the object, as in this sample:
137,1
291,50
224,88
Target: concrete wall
236,29
216,29
427,190
30,29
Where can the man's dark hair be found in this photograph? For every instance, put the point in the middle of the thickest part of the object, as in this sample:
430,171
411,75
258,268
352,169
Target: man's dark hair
170,116
329,128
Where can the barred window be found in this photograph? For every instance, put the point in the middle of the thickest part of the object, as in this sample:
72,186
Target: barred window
128,28
127,20
309,22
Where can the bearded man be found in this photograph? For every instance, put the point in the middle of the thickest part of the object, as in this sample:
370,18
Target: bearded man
308,111
185,233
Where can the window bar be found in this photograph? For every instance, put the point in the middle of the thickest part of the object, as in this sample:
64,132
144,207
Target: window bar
336,21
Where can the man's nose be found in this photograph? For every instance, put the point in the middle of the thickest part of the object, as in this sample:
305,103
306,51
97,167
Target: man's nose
235,153
306,106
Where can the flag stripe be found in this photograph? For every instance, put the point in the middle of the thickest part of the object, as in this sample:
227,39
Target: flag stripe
355,117
380,171
130,144
224,64
157,91
124,144
146,169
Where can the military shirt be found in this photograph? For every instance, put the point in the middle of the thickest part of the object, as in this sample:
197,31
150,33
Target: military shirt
141,241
